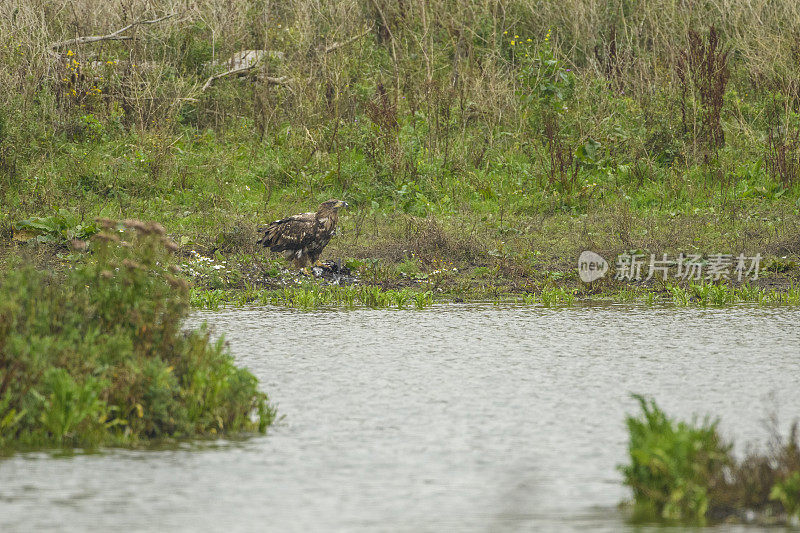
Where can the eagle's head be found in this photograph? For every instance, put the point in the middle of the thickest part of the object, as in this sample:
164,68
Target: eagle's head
333,204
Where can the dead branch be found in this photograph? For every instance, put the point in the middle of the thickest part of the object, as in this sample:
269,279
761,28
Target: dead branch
233,72
114,36
282,80
336,45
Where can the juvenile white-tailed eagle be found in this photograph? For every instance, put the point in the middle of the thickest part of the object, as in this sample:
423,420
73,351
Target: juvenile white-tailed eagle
302,237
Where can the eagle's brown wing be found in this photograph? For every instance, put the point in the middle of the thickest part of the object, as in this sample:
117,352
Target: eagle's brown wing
291,233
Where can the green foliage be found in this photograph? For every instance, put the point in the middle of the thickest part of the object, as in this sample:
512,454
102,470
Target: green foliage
683,472
99,356
557,296
711,294
312,296
672,464
409,268
207,298
69,404
787,492
541,72
59,228
423,299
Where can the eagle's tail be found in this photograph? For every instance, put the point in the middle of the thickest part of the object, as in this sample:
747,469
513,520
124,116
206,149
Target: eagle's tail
263,241
267,239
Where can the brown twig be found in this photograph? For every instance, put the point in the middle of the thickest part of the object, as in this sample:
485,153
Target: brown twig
114,36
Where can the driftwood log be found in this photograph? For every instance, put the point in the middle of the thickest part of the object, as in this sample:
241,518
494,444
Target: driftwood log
118,35
245,61
240,63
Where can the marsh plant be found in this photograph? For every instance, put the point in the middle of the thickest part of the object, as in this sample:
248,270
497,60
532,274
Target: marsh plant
557,296
99,355
311,296
685,472
672,464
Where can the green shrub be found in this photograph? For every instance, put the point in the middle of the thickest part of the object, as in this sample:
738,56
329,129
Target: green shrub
98,355
685,472
672,464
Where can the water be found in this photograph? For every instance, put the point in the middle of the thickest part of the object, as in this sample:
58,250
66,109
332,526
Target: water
456,418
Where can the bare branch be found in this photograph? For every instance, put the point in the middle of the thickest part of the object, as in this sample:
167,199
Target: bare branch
114,36
282,80
336,45
232,72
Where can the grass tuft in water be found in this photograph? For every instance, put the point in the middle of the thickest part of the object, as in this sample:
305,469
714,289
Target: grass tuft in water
557,296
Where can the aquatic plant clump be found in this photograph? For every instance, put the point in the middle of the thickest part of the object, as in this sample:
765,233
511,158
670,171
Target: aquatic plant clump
685,472
98,356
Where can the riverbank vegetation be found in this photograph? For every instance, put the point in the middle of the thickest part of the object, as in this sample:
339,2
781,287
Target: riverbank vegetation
685,472
498,138
308,294
98,355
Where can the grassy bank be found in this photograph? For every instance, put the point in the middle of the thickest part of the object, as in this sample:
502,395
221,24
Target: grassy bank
497,139
97,356
684,472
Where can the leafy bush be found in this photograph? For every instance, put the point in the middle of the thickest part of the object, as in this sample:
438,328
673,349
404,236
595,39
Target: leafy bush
685,472
98,356
672,464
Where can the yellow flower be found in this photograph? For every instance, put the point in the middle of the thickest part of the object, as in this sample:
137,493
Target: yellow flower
70,53
512,43
529,40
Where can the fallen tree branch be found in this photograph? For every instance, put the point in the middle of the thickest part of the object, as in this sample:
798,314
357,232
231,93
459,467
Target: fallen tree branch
271,80
282,80
114,36
232,72
336,45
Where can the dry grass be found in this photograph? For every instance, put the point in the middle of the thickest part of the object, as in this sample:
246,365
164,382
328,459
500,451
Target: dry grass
442,54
